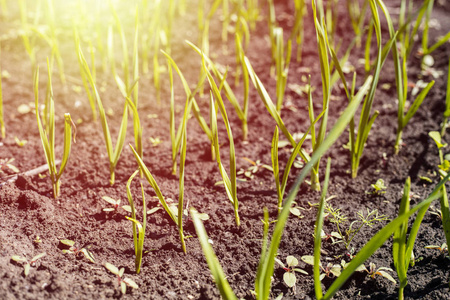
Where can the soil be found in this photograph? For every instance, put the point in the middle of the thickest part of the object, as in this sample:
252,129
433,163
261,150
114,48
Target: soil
28,209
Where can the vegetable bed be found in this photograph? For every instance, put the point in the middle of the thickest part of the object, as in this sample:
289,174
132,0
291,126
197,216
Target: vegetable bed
209,100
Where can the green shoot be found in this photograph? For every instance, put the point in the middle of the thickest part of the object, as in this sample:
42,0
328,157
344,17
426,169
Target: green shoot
190,99
317,237
271,108
399,248
2,121
27,264
425,49
213,263
272,22
113,154
175,215
401,75
48,136
84,79
242,111
123,282
28,42
282,64
445,210
54,40
366,120
447,103
322,44
229,182
357,15
281,187
297,32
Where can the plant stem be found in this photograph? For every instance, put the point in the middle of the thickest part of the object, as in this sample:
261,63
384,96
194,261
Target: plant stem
56,188
113,175
398,141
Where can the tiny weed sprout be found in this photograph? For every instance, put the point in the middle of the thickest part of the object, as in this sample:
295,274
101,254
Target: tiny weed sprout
336,217
47,135
329,271
115,205
20,142
72,249
442,248
7,164
290,268
123,282
253,169
378,188
27,264
381,271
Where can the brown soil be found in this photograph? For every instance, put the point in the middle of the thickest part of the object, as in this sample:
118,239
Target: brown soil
28,209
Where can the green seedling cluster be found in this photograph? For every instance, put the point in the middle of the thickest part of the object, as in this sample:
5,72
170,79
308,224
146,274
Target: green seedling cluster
138,228
48,135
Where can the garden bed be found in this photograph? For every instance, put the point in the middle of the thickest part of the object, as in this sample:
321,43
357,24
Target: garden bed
33,222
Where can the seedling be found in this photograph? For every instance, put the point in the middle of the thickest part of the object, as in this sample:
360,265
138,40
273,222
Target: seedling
7,164
289,276
215,106
378,188
138,229
115,204
47,134
330,271
155,141
381,271
296,210
76,250
338,218
255,167
445,211
113,153
2,121
20,142
27,264
442,248
123,282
